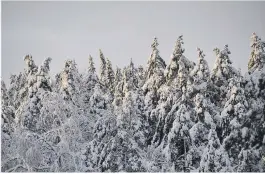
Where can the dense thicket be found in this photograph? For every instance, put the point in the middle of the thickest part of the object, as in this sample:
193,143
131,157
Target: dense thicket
180,117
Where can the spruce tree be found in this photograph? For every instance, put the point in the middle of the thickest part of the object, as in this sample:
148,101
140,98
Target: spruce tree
154,70
214,158
109,79
257,58
70,82
199,76
118,93
177,57
89,81
103,67
178,140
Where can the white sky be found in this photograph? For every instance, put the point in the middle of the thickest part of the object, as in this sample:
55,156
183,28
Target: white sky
125,30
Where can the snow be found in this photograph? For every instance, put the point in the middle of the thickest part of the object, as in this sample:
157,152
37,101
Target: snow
244,132
154,119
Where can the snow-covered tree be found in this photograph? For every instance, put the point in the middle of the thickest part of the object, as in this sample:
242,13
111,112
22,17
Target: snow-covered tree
118,92
221,73
236,109
130,80
43,78
177,58
214,157
140,76
31,68
257,58
178,139
206,117
200,75
99,103
31,110
89,80
223,69
70,82
95,157
103,66
118,76
155,69
179,118
160,117
236,123
132,133
7,124
109,79
250,161
17,91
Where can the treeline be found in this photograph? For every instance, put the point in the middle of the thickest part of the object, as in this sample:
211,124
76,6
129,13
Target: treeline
180,117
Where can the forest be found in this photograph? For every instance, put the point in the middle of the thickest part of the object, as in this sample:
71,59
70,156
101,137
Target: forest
179,116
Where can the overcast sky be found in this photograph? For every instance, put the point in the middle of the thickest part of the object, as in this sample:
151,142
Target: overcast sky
124,30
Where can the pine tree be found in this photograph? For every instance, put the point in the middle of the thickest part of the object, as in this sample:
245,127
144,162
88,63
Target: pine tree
223,69
178,118
177,57
118,93
118,76
30,119
199,132
4,95
43,78
7,123
98,102
250,160
18,90
140,76
95,155
103,67
109,79
133,130
221,73
154,79
70,82
235,123
89,81
200,75
31,67
257,58
130,78
178,140
154,70
161,117
214,158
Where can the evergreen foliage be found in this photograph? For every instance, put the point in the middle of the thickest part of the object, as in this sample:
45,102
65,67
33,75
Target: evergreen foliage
176,118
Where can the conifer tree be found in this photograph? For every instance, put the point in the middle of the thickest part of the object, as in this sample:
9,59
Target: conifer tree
118,93
103,67
154,79
140,76
214,158
223,69
178,140
200,75
257,58
70,82
154,70
109,79
235,123
178,118
7,123
250,160
177,57
221,73
90,79
31,119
